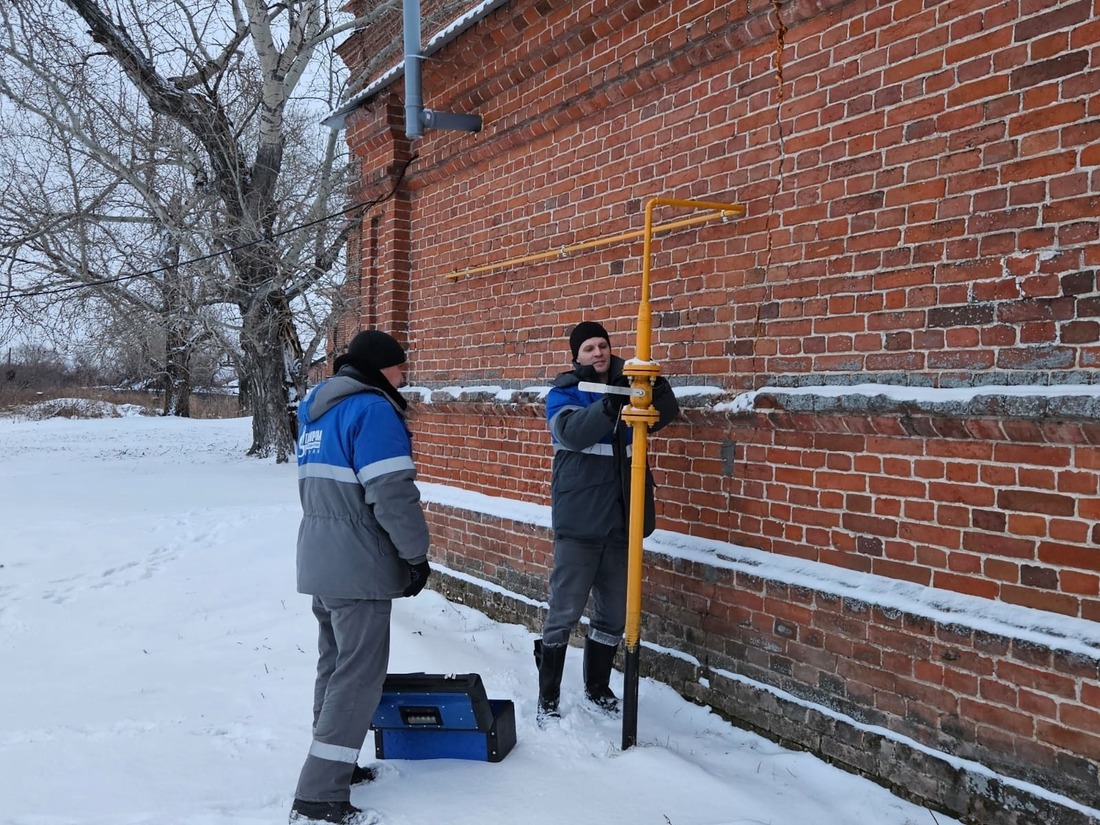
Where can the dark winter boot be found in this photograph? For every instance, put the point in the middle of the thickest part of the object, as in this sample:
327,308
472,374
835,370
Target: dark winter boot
361,775
598,661
550,660
342,813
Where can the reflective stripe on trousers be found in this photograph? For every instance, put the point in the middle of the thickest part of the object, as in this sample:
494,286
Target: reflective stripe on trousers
353,656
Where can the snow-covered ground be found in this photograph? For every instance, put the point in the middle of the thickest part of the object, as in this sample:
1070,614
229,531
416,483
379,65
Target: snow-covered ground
157,666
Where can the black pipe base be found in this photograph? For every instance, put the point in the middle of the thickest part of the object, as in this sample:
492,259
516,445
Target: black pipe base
630,697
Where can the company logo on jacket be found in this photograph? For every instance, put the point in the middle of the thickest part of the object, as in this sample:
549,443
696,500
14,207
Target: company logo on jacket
310,442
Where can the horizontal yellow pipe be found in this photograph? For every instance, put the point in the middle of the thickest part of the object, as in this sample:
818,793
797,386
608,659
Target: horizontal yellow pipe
723,210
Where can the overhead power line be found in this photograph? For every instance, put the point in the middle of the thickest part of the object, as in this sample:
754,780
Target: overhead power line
15,294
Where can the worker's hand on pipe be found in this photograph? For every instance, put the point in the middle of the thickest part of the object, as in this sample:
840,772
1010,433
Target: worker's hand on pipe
614,402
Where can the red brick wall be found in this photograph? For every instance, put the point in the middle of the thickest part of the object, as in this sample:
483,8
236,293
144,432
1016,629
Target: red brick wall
1008,515
1018,708
921,187
1003,509
922,183
1000,509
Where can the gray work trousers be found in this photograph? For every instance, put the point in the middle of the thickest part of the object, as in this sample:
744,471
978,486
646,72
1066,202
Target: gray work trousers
353,648
582,567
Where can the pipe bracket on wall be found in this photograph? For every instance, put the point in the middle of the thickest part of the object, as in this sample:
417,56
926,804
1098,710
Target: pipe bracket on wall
450,120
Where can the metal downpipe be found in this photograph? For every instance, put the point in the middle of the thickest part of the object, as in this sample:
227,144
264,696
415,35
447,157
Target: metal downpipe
414,95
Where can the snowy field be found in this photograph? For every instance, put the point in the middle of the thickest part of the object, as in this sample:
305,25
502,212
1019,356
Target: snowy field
158,666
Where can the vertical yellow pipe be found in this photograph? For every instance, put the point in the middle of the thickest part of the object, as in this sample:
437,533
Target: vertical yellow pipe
644,315
640,426
641,415
633,630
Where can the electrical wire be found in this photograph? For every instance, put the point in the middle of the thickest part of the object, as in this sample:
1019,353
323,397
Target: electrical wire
13,295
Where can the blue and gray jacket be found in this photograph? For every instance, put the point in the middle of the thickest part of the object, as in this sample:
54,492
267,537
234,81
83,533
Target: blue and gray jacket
590,478
361,514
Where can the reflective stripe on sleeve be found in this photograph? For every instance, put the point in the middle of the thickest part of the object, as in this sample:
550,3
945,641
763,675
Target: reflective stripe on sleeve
336,473
386,465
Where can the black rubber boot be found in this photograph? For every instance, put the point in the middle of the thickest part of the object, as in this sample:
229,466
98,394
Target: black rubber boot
341,813
361,775
551,664
599,659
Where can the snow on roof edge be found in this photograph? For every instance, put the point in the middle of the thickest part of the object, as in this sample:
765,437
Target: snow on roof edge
465,21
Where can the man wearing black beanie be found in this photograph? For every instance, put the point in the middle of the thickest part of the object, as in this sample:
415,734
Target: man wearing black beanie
590,496
363,542
369,354
585,331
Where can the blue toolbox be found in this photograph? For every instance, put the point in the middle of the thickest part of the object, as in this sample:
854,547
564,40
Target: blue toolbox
429,716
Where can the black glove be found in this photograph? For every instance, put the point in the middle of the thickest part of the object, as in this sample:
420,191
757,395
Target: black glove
661,388
613,402
418,577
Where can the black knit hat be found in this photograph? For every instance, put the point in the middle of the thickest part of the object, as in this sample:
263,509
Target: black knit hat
372,349
582,332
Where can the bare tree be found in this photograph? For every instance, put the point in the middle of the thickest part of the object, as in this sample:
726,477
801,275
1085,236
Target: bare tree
70,217
232,167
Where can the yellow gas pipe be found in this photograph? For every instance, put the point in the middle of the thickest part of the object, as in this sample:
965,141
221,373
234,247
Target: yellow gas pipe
607,240
641,415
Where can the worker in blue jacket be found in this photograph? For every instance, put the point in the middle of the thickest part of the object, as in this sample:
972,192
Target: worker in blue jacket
363,541
590,497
